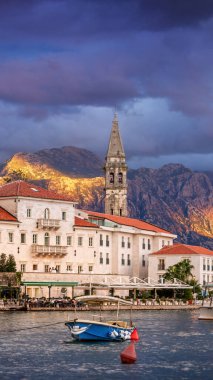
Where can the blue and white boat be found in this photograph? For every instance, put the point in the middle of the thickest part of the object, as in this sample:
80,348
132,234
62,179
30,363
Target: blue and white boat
93,330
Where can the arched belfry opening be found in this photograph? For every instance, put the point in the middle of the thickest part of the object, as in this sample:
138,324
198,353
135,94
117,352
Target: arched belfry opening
115,174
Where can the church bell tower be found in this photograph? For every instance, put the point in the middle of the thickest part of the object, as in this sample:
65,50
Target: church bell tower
115,174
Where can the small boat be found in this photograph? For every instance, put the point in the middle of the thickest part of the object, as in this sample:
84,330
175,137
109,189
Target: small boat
206,312
93,330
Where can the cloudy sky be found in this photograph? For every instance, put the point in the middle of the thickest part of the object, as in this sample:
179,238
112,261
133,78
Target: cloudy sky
65,65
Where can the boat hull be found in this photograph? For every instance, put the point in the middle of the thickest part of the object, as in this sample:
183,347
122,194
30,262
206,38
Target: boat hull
206,313
83,330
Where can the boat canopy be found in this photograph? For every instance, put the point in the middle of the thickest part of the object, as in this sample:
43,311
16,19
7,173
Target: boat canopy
102,299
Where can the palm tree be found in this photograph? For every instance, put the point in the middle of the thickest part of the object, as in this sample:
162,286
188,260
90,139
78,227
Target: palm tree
181,271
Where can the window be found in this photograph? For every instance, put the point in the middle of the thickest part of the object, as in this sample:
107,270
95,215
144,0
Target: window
46,213
35,266
90,242
128,243
143,244
46,268
101,258
58,268
64,215
46,239
58,240
35,238
168,242
122,242
10,237
107,258
128,260
212,267
23,267
143,261
69,240
29,213
107,240
90,268
161,264
80,269
122,259
111,177
69,268
149,244
163,243
23,238
204,264
120,177
208,266
80,241
111,211
101,240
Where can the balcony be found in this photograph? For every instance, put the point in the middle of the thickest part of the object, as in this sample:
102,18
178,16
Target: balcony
49,250
48,224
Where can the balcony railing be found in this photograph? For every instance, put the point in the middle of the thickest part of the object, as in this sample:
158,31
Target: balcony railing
48,223
51,250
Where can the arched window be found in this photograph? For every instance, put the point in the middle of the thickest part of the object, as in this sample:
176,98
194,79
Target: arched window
46,213
120,177
46,239
111,177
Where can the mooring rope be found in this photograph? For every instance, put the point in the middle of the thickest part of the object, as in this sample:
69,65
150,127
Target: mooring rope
31,328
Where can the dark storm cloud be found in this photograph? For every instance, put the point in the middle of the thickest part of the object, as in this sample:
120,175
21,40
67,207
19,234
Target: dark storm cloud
72,19
60,57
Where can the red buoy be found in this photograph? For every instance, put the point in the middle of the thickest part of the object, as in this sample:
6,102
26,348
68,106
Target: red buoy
128,355
134,335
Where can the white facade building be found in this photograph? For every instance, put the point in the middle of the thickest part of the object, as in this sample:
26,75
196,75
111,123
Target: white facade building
52,240
201,259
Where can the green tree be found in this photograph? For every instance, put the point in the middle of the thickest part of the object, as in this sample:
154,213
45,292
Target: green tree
182,271
3,261
10,264
7,264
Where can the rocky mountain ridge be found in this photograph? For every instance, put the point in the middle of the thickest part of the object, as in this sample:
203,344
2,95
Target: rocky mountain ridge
173,197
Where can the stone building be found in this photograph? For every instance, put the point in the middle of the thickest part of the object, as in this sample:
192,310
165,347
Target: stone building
115,174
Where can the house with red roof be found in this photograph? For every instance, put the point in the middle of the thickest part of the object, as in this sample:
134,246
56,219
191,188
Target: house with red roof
201,258
8,232
125,243
51,239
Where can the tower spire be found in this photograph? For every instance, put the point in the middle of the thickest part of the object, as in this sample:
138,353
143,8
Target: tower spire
115,147
115,174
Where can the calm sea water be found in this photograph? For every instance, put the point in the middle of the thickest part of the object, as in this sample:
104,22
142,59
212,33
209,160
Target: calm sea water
173,345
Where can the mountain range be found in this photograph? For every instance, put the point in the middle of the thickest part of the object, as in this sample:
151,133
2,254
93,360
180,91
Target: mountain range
172,197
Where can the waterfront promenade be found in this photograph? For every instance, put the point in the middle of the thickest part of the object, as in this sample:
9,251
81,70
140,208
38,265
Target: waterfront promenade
149,305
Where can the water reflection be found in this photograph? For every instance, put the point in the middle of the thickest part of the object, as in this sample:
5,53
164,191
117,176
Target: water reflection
173,345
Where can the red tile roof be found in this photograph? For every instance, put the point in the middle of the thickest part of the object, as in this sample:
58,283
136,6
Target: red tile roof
25,189
183,249
6,216
140,224
84,223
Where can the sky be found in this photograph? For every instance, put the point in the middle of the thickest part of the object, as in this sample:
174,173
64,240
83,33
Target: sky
67,65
